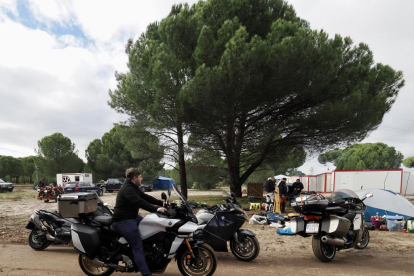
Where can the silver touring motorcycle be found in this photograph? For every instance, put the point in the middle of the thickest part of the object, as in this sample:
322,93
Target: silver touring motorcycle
165,236
335,223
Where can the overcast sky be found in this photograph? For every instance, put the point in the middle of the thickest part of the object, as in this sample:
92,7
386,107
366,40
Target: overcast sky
58,59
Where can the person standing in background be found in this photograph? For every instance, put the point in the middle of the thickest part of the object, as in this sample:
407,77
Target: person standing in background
297,187
282,194
269,187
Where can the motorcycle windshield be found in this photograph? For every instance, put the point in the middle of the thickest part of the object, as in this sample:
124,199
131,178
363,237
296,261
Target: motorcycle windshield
225,194
343,194
182,197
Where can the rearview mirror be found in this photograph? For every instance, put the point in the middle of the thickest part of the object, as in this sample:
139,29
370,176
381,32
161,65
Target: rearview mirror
164,196
369,195
233,195
105,204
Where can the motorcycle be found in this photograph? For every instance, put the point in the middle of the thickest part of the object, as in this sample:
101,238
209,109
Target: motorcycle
164,236
50,227
335,223
49,193
222,225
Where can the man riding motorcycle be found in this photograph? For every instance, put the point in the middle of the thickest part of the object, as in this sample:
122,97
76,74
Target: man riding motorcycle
126,219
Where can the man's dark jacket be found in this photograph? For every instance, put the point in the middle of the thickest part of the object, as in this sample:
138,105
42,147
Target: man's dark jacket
269,186
297,185
129,199
282,188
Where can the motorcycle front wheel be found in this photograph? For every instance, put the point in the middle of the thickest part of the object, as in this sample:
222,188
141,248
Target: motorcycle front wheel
38,240
363,243
247,250
324,252
204,265
90,269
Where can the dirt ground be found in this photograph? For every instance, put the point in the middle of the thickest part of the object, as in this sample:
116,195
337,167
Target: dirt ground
388,252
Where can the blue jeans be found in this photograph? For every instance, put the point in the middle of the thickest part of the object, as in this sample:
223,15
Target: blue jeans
129,230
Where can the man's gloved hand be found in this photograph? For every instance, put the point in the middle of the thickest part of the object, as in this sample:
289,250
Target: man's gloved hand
161,210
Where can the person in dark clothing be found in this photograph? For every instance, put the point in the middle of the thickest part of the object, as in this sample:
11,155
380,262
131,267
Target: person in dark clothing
297,187
269,187
41,184
126,219
282,194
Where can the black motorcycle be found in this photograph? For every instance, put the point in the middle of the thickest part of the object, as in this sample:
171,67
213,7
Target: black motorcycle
51,228
335,223
223,223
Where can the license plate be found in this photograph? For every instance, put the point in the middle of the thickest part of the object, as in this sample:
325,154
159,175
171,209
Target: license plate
312,227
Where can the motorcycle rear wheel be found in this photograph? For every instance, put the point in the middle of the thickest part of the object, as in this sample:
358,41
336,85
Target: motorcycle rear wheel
205,265
36,242
324,252
89,269
364,240
249,252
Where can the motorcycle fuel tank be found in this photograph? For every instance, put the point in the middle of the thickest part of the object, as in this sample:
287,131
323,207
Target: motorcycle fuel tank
153,224
203,216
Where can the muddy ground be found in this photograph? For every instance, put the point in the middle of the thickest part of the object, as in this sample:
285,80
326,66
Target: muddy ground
388,252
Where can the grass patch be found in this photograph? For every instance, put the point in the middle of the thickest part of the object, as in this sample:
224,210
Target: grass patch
18,194
211,200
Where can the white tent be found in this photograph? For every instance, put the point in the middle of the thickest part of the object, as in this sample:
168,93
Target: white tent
385,202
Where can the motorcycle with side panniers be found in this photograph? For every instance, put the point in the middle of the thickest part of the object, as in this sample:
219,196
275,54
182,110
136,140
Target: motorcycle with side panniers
335,222
173,234
50,227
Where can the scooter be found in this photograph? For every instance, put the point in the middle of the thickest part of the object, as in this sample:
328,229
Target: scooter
222,225
175,233
335,224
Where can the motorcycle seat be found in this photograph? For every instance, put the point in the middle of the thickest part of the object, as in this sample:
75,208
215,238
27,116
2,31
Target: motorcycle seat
104,220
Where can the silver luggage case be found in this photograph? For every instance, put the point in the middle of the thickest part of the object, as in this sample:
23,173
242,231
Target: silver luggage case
71,205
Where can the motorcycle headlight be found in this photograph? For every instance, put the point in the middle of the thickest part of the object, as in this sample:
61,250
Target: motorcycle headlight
198,234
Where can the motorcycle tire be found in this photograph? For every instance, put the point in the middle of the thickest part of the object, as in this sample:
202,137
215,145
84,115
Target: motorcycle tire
324,252
36,242
364,240
247,254
205,265
46,200
89,269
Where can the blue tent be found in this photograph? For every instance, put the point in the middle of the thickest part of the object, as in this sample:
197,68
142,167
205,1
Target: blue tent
163,183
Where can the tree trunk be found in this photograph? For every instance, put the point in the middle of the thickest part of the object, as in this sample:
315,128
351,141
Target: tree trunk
234,173
181,161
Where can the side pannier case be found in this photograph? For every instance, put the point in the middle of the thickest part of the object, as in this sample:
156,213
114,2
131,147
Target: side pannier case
71,205
86,239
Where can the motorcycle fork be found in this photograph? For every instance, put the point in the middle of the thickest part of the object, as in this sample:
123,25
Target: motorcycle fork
191,255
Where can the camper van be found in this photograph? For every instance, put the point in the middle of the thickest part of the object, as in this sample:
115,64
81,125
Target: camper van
64,178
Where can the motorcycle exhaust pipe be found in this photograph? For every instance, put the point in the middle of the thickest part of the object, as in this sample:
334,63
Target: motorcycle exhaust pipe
98,263
333,241
36,221
50,237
